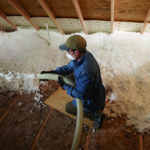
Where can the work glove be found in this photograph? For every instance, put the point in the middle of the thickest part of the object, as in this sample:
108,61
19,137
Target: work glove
52,71
61,83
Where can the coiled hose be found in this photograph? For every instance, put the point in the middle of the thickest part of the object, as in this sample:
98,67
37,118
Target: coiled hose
77,135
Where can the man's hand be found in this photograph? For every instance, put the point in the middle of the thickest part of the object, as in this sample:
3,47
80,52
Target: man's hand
43,72
61,83
52,71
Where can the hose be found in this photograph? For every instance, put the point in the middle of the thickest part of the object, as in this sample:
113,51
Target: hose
77,135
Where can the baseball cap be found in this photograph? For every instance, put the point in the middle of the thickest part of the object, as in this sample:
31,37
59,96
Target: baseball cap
76,42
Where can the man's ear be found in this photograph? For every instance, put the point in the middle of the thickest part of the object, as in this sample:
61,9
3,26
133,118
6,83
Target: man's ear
77,53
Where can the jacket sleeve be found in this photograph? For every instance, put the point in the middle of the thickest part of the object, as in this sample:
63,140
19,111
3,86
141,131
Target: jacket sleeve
82,90
66,70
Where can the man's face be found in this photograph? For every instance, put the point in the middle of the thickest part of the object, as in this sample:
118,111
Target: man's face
72,53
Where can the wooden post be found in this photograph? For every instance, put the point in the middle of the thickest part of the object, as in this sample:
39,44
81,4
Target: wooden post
146,22
22,11
49,12
112,16
3,16
79,13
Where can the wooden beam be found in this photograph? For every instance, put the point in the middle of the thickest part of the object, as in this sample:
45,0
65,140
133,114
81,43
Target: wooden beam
3,16
141,141
146,22
22,11
41,130
2,118
88,139
112,16
49,12
79,13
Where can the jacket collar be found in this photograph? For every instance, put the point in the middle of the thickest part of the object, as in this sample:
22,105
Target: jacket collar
78,63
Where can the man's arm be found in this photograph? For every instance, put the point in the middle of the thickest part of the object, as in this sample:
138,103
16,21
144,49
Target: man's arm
66,70
82,89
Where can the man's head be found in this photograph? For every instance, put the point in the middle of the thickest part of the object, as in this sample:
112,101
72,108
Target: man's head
75,47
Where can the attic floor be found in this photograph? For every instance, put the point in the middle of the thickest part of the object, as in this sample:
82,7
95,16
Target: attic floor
21,125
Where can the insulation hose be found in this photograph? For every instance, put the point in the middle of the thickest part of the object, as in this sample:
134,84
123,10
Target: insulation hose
77,135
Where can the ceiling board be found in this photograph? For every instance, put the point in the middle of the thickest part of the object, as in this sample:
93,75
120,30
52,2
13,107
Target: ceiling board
33,8
8,9
95,9
131,10
124,10
62,8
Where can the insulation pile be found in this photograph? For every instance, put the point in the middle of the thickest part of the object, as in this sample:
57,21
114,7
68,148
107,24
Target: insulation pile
124,59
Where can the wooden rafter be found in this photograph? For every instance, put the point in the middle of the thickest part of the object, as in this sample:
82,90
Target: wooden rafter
112,16
79,13
3,16
49,12
23,12
146,22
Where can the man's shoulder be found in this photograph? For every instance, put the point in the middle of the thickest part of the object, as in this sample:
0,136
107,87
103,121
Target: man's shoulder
72,63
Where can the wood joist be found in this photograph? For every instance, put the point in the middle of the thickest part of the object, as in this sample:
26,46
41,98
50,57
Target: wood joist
147,19
3,16
23,12
124,10
49,12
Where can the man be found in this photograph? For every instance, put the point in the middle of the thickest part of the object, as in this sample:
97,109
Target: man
89,87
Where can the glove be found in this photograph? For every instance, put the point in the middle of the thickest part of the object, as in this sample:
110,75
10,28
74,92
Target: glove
53,71
61,83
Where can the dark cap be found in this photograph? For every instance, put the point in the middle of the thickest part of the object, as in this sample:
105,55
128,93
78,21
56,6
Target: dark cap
76,42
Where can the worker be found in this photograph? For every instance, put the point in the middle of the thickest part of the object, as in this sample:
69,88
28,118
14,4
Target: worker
89,87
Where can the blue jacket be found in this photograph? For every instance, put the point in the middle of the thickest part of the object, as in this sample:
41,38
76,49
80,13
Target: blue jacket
89,87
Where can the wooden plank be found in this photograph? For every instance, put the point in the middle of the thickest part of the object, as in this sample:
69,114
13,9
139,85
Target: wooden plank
141,141
88,139
8,109
22,11
131,10
33,8
63,9
95,9
49,12
112,16
8,9
124,10
146,22
3,16
41,130
59,99
79,13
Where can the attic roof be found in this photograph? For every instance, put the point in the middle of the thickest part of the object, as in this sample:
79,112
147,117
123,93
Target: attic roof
129,11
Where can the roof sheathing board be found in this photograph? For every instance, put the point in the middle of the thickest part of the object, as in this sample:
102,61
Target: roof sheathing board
125,10
131,10
33,8
62,8
8,9
96,9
